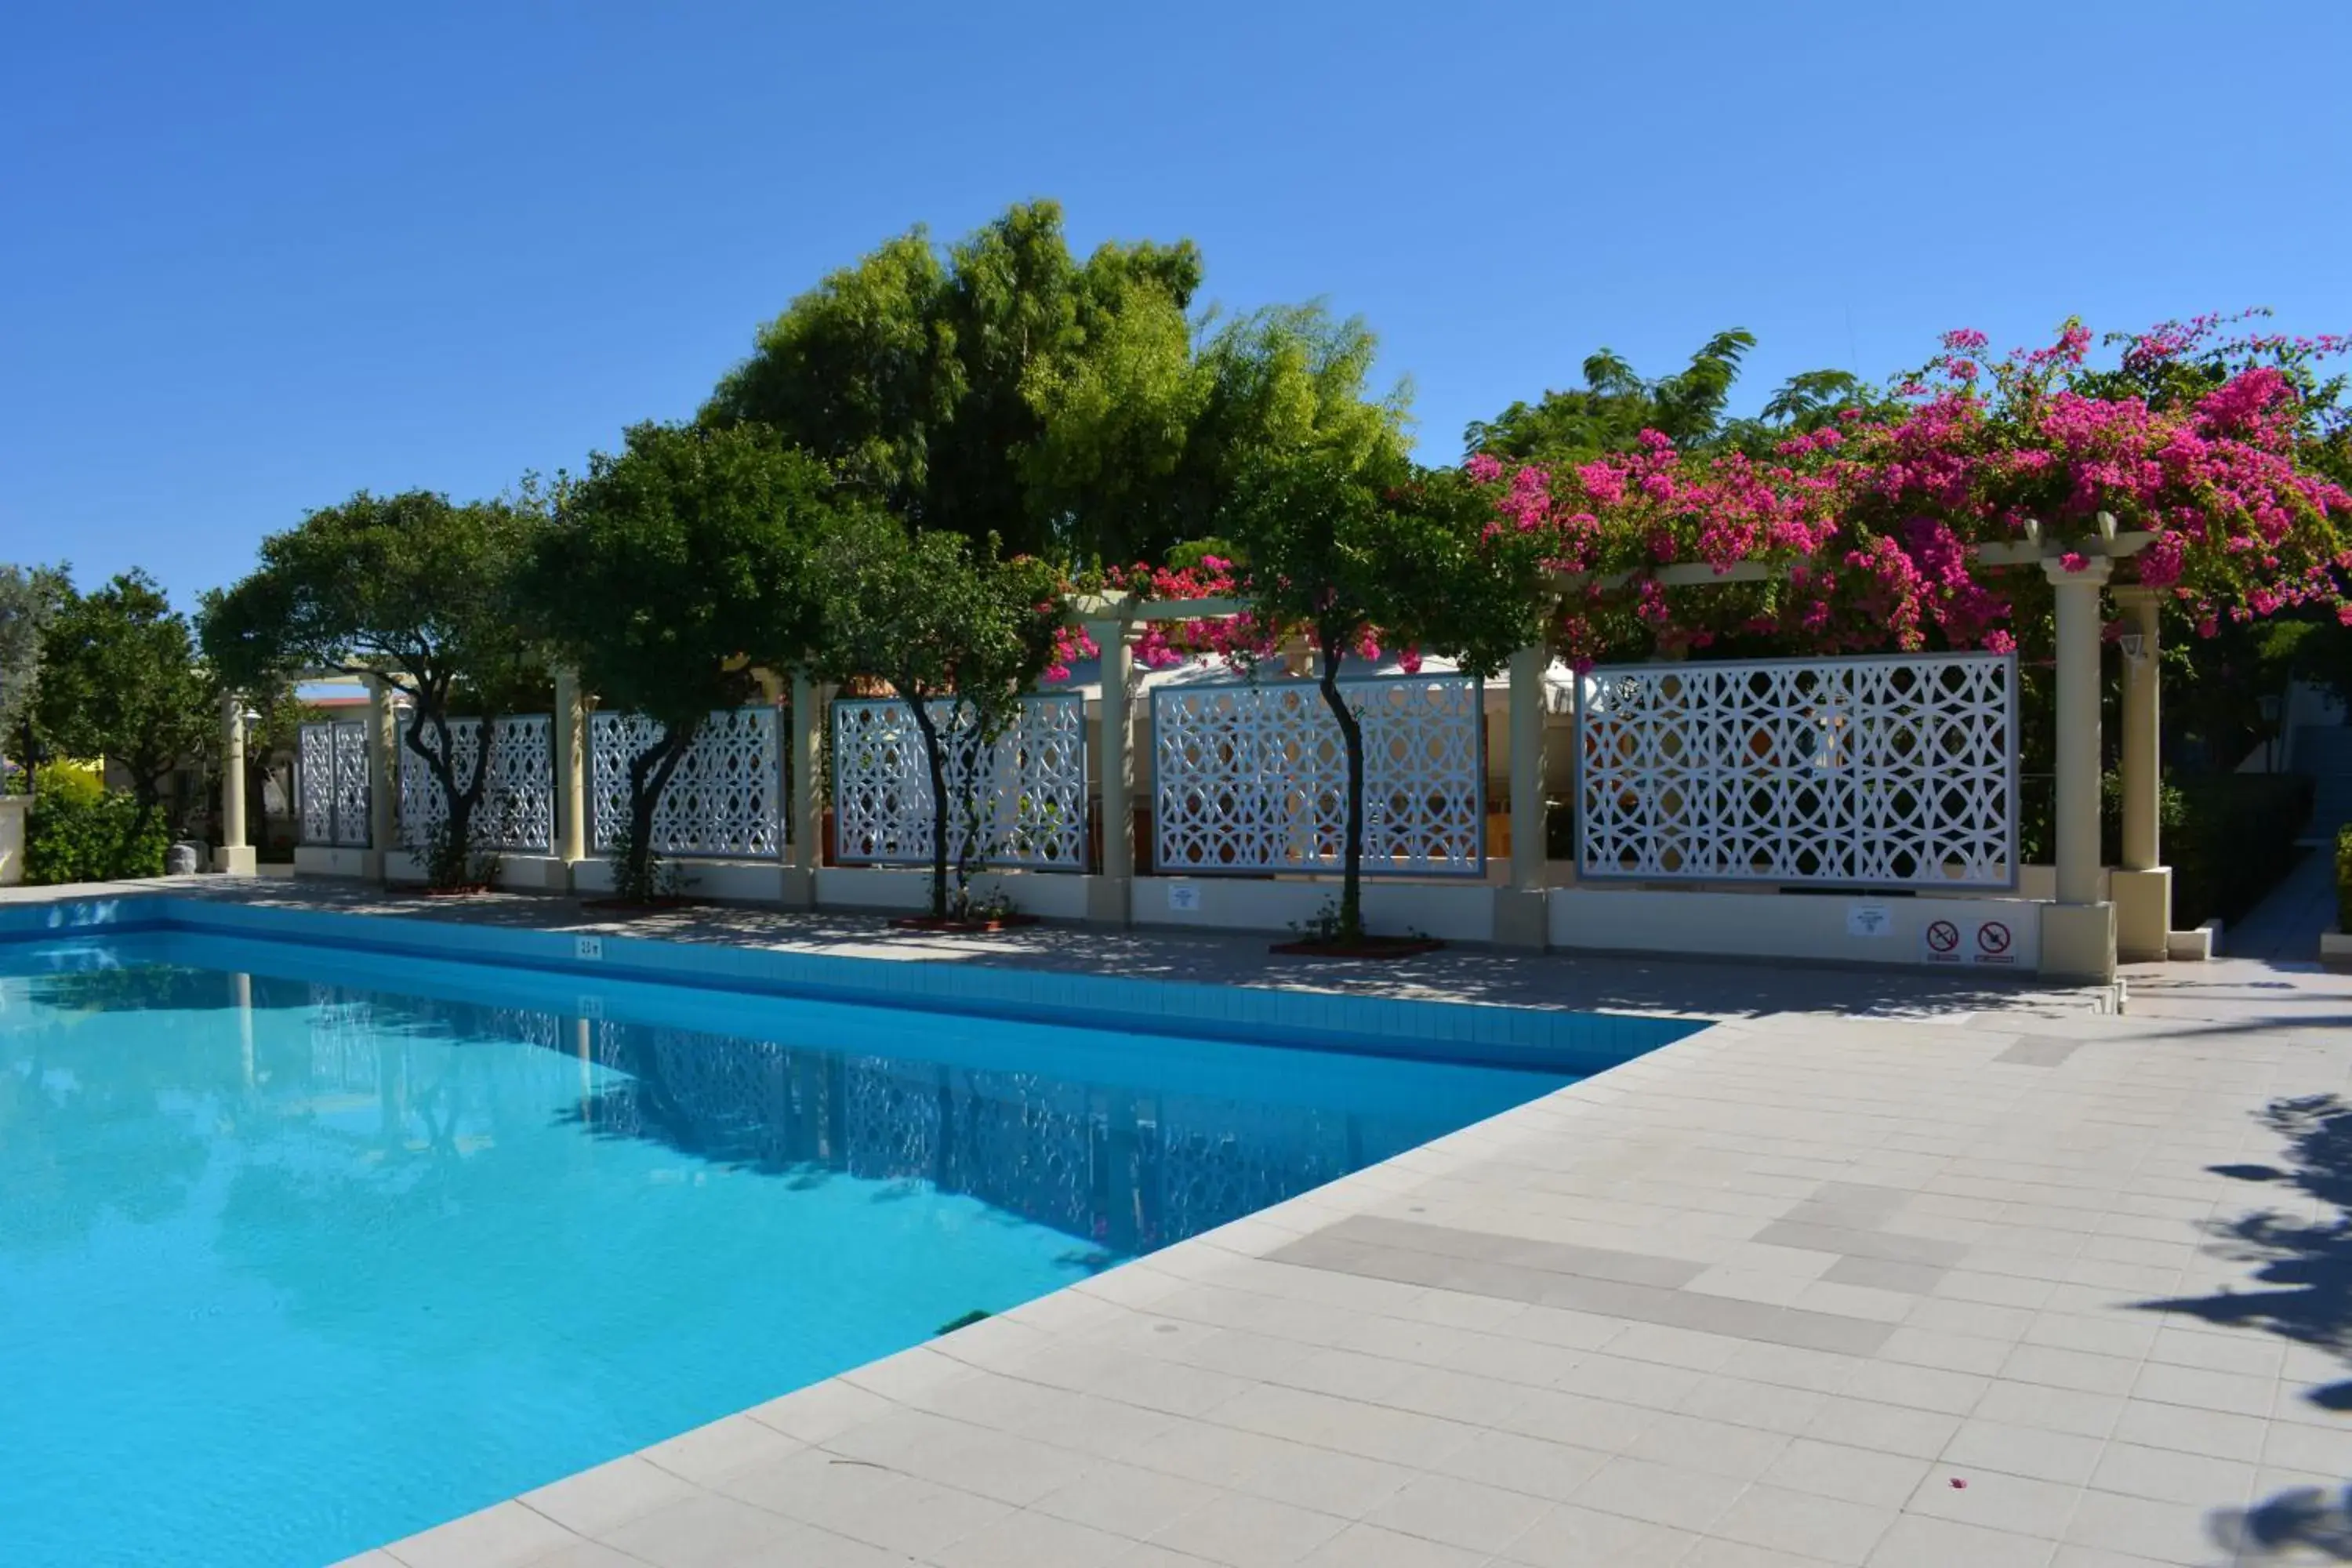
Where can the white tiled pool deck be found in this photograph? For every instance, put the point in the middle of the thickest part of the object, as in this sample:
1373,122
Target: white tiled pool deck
1976,1279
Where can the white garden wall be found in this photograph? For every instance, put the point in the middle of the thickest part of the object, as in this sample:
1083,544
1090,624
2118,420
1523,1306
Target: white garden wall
1045,895
321,860
732,881
1995,934
1457,911
522,873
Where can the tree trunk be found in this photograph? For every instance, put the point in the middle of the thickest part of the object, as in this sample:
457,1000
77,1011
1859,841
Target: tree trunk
459,804
936,766
650,772
972,742
1351,733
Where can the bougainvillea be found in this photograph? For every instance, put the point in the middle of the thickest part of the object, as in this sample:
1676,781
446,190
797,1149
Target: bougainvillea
1163,644
1872,527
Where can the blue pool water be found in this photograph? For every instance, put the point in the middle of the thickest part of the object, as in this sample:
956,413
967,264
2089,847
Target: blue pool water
302,1250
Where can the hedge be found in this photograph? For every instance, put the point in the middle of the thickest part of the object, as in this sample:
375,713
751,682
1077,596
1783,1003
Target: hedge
2343,877
76,832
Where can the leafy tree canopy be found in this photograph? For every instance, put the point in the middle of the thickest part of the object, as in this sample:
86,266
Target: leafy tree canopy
672,571
120,679
29,597
942,620
1616,404
1354,548
929,380
412,587
1079,410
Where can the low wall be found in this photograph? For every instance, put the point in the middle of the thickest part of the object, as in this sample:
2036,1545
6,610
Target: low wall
734,881
1934,930
13,808
318,861
1991,934
1457,911
523,873
1049,895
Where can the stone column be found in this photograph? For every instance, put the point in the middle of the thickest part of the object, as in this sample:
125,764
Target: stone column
1110,890
2078,931
1521,909
384,776
2143,883
571,741
234,856
804,766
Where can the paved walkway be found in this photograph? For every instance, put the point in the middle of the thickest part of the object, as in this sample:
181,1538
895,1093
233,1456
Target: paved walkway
1986,1278
2285,927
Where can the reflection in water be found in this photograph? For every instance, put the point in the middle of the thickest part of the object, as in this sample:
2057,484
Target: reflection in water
1124,1169
1127,1170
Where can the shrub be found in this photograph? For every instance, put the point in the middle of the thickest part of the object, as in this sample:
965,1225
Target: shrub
2343,877
76,832
2235,840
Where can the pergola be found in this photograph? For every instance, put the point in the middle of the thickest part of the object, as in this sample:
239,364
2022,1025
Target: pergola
2082,931
2083,934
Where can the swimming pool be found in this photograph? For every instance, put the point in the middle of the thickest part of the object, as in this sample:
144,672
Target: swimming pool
304,1248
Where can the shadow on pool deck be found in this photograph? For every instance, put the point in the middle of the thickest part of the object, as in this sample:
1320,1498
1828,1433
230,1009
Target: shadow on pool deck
2303,1267
1588,981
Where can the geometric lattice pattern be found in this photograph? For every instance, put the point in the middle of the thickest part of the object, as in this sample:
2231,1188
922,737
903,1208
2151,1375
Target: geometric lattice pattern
1031,790
331,784
1252,776
517,811
1888,771
723,801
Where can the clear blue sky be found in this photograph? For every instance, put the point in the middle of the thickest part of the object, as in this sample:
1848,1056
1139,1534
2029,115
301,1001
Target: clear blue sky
254,258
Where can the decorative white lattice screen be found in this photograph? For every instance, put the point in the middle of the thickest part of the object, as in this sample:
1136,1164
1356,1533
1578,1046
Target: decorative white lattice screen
725,801
1252,776
517,806
1033,785
1894,772
331,783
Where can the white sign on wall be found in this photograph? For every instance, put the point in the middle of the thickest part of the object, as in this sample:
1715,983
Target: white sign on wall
1184,898
1868,919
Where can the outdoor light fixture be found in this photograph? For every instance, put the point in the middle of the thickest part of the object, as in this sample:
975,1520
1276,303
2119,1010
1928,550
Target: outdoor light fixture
2135,647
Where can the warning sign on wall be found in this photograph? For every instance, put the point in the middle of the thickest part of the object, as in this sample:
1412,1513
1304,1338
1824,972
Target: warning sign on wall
1988,942
1993,943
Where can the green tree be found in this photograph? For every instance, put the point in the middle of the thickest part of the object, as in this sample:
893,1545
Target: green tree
413,589
960,634
1616,404
29,597
120,679
1347,548
671,572
1005,387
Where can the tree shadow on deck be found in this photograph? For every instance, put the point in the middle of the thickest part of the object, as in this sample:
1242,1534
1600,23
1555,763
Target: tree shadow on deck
1646,983
2301,1265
